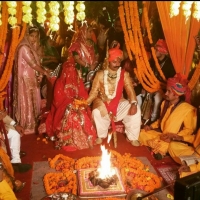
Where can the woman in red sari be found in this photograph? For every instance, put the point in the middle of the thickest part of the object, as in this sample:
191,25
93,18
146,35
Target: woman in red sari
69,123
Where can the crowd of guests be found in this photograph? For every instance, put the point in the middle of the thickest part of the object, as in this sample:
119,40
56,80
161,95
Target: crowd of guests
77,116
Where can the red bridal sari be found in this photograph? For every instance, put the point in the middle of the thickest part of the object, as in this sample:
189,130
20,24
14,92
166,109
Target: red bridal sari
72,126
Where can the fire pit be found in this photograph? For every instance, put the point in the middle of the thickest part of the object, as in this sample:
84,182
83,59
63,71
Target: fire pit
104,181
88,190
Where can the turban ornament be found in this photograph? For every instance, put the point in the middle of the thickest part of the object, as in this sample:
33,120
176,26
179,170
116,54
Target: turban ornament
114,53
161,46
179,86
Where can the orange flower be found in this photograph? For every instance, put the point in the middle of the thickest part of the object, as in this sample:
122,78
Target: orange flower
60,182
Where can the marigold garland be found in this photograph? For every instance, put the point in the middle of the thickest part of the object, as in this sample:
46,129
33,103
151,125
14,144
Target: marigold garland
9,64
136,175
195,77
61,163
60,182
129,166
146,75
123,23
146,20
134,42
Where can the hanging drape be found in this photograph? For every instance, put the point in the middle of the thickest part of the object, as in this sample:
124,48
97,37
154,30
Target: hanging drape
179,35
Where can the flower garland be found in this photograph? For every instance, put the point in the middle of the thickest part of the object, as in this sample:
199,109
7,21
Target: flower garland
174,8
60,182
27,10
3,32
136,45
80,7
12,20
9,64
69,13
106,83
146,20
195,77
0,14
143,70
135,174
196,10
61,163
123,23
41,11
54,19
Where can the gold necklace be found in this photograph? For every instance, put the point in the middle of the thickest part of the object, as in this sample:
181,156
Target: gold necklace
112,76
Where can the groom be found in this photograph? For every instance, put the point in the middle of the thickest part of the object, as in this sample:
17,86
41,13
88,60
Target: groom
109,105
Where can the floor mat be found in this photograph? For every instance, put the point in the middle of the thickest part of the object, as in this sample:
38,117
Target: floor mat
168,172
41,168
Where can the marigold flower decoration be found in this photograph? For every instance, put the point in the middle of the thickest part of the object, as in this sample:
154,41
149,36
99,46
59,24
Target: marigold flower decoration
41,11
174,8
80,7
12,20
0,15
27,12
196,10
186,7
69,13
54,19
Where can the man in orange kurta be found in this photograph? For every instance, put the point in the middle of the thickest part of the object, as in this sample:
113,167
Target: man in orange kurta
177,119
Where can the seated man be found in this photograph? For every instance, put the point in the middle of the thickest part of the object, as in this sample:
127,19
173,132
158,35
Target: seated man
109,105
177,149
177,119
14,132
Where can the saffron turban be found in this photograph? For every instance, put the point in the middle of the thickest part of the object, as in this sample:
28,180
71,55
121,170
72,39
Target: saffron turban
115,53
161,46
179,86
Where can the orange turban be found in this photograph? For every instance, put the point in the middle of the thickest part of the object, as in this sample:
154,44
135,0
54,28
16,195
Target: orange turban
161,46
179,86
115,53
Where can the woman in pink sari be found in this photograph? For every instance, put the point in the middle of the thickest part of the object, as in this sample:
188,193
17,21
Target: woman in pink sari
70,124
27,77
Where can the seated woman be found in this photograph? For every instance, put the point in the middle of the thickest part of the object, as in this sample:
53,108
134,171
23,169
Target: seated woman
69,122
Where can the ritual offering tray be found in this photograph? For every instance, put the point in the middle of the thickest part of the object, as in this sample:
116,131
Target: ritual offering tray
90,186
60,196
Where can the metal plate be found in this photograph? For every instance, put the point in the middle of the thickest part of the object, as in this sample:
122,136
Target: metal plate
61,196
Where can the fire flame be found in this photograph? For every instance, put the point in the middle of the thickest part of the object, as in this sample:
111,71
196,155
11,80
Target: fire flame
105,169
